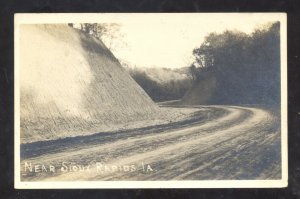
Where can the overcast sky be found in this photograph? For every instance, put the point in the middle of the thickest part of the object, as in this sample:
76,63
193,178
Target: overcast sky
164,40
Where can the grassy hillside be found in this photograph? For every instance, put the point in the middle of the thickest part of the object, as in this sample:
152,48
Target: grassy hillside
163,75
162,84
71,84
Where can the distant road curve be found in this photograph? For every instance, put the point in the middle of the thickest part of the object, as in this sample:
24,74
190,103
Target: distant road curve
231,142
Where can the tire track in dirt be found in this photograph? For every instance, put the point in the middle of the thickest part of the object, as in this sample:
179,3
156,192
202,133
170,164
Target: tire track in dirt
174,154
187,166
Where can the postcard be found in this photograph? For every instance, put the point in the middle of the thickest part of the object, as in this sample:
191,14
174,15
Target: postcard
150,100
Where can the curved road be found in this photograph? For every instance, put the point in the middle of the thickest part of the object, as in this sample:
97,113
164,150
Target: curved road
219,142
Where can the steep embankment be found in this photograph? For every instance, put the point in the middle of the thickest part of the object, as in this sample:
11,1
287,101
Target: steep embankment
71,84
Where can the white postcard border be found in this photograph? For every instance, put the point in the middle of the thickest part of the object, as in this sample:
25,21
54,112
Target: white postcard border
111,17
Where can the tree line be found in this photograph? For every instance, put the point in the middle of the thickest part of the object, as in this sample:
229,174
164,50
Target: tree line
246,66
161,91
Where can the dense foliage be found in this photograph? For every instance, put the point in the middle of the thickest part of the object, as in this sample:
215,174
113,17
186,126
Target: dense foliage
247,67
161,91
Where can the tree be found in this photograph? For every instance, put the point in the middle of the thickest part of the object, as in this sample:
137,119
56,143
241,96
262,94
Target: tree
247,67
193,72
107,32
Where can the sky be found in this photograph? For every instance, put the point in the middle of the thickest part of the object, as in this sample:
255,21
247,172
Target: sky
167,40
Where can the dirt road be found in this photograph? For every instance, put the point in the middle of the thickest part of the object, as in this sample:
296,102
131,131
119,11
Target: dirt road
218,142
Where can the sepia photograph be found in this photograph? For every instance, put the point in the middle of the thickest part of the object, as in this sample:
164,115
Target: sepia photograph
150,100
